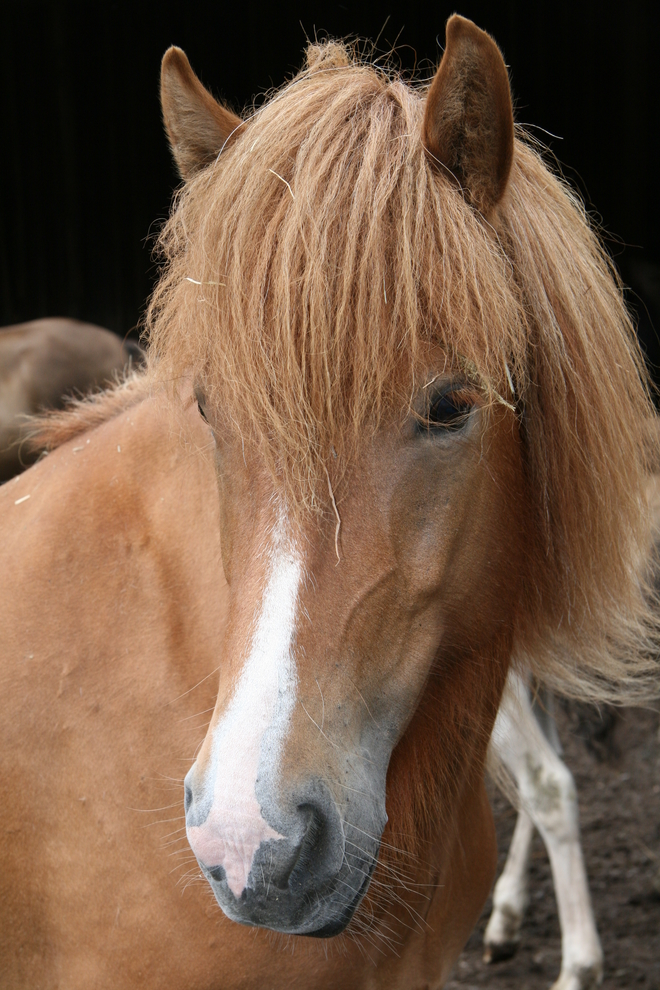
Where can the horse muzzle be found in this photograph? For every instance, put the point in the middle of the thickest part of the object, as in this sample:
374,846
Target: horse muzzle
305,876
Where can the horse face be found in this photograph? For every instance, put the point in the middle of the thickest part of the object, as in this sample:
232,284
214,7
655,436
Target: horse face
330,644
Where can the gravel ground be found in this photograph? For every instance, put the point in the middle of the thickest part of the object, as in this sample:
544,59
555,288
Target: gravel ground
618,782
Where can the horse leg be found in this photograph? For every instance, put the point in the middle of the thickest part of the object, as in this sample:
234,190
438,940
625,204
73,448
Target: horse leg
548,795
510,896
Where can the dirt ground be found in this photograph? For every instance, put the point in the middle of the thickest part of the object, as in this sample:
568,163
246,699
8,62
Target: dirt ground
619,790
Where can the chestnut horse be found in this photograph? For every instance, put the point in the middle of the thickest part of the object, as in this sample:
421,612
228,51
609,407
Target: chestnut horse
423,444
41,363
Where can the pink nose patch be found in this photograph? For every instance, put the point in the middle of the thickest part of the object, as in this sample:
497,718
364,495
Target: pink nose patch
231,842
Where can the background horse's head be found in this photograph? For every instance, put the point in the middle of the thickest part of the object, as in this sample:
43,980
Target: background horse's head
389,309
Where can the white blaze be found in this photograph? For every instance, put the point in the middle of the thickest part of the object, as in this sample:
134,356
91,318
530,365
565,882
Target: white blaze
263,699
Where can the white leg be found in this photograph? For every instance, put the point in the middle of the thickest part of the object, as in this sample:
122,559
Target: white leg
510,895
547,793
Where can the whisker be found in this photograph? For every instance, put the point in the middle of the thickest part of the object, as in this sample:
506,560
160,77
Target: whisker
383,845
179,838
340,749
196,715
193,688
363,700
163,821
322,703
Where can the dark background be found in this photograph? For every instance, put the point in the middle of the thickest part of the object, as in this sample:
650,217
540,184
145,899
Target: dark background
86,176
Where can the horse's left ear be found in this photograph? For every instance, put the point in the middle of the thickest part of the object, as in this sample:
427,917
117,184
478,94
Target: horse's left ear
468,120
197,125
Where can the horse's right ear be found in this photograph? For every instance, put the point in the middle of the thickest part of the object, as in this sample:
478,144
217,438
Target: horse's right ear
198,127
468,120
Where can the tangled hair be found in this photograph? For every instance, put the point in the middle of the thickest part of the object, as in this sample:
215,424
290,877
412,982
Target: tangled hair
307,269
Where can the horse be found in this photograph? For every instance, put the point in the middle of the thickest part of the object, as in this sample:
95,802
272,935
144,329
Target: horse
41,363
392,432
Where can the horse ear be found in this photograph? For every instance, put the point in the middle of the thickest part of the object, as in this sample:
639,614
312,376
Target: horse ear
468,120
197,126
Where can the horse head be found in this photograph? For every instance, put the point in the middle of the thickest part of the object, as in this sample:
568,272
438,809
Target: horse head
334,629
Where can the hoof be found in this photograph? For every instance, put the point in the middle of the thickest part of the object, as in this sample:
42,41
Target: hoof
495,952
583,978
502,935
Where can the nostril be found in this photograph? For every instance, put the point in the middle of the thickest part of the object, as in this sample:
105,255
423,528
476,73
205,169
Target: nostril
314,823
187,800
312,854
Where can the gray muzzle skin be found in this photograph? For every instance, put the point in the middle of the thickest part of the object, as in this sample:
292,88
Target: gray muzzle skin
311,881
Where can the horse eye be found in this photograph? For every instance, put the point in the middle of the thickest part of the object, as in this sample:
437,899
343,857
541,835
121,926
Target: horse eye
201,411
448,411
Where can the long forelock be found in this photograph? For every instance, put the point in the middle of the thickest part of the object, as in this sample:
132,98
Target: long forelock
311,264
